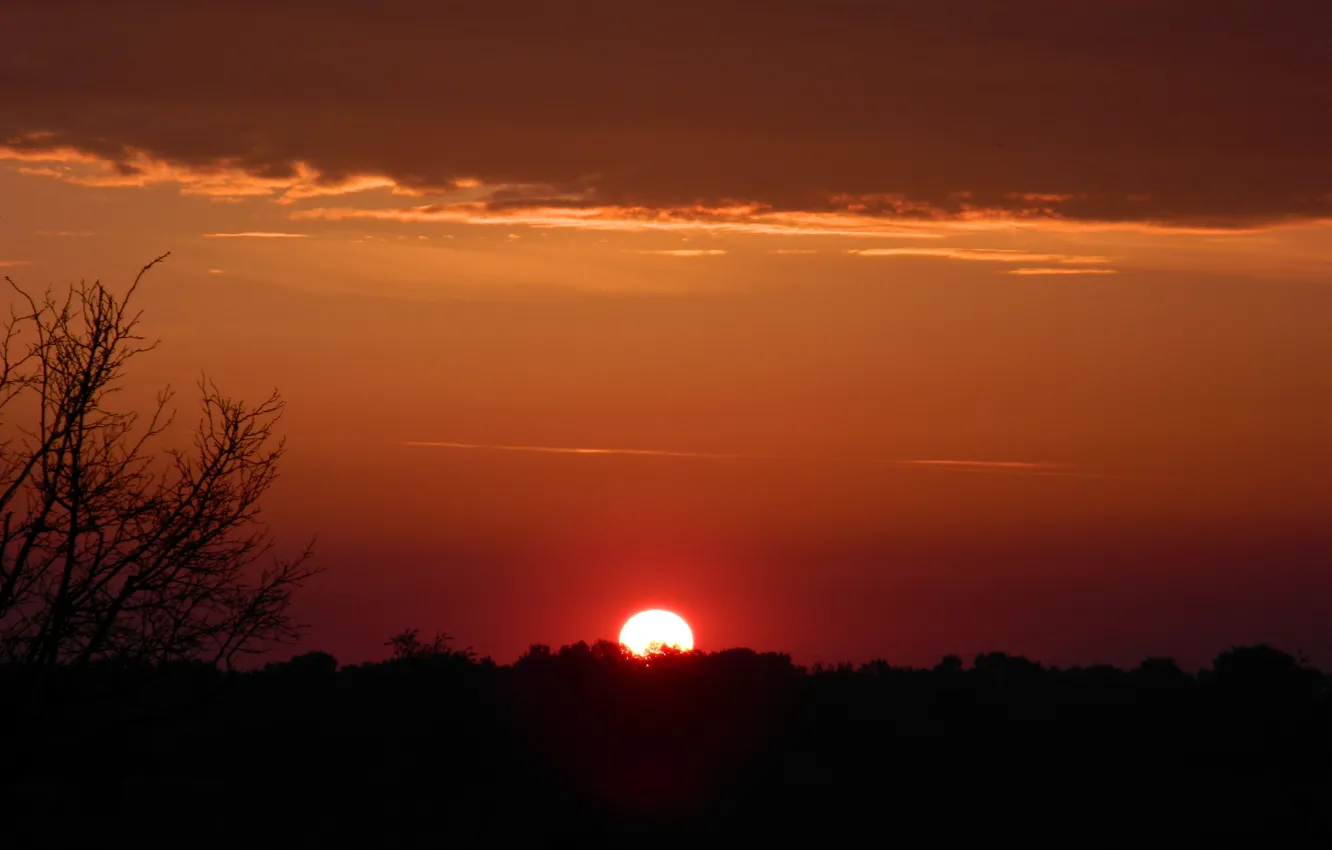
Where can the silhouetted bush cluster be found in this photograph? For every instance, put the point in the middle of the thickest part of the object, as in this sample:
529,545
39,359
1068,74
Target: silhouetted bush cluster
436,746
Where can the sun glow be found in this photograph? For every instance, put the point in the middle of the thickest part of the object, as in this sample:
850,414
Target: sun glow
648,631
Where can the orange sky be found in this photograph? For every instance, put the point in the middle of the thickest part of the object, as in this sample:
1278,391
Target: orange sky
1083,259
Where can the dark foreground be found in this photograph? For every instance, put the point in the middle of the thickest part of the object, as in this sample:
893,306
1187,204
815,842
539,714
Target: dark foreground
583,747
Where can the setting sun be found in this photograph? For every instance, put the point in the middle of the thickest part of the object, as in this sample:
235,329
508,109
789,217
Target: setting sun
649,630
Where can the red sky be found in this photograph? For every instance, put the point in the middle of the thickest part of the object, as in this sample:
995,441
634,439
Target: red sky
782,252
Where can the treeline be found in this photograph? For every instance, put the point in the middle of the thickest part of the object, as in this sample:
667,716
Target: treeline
434,745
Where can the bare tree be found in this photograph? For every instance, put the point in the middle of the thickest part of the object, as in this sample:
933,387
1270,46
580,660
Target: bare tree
113,548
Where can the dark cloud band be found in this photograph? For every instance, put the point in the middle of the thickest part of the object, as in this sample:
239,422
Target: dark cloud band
1197,112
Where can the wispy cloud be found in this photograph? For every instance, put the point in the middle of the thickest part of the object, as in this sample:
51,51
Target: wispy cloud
1022,467
9,264
564,450
686,252
981,464
983,255
472,201
1044,197
43,154
256,234
309,186
1059,271
223,180
796,251
64,232
743,218
216,271
588,207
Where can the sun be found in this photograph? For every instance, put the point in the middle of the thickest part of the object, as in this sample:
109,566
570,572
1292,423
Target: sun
648,630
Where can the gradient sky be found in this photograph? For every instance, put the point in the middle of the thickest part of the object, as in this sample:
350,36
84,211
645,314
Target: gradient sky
900,328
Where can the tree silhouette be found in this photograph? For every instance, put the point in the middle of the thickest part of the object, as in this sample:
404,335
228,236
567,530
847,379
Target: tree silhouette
588,742
407,644
316,663
108,549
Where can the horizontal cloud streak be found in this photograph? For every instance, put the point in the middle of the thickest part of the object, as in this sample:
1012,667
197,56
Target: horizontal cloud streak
256,234
686,252
224,180
741,219
984,255
1059,271
1024,467
539,205
38,151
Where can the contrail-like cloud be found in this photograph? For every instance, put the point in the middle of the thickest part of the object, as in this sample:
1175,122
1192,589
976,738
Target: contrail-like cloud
1060,271
256,234
1010,466
983,255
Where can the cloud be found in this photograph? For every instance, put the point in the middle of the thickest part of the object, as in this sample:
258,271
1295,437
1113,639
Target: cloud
63,232
989,464
983,255
37,149
1183,114
41,172
1038,271
686,252
223,181
9,264
1027,467
256,234
216,271
740,218
310,187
